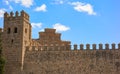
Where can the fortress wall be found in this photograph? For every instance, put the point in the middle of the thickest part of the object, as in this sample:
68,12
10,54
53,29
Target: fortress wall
75,47
49,54
72,62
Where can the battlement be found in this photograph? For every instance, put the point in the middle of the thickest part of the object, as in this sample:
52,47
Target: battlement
23,14
75,47
94,47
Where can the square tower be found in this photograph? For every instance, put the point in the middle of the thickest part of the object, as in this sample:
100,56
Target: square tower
16,35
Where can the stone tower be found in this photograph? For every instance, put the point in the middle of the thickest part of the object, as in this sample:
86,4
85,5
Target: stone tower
16,35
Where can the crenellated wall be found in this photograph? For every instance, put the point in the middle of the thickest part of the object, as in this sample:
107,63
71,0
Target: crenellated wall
75,47
83,61
49,54
12,16
94,47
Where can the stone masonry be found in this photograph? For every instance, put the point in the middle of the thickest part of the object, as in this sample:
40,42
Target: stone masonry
49,54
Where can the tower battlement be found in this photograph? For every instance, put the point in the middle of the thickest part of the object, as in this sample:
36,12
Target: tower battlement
16,15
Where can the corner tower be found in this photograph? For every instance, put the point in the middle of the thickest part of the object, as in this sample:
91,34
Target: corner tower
16,35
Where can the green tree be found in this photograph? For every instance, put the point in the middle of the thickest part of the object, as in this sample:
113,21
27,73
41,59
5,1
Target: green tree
2,60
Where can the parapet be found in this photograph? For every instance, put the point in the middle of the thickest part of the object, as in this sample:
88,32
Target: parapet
75,47
100,47
22,14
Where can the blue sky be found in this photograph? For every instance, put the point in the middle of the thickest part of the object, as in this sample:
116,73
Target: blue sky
80,21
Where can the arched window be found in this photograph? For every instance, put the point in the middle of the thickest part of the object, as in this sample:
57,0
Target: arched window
15,30
8,30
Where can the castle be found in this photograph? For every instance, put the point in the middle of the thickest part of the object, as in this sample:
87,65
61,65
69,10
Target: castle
49,54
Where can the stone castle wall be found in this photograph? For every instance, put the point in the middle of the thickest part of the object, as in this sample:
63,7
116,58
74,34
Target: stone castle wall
49,54
100,61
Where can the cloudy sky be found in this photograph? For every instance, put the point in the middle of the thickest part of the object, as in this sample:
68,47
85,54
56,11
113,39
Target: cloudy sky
80,21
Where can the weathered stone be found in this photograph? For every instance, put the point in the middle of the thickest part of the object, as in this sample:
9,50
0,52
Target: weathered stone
49,54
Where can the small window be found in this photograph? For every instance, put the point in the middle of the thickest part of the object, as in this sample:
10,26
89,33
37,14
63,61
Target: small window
15,30
12,41
8,31
25,30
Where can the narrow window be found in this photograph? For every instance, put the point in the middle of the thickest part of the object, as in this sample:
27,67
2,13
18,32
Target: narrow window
15,30
25,30
12,41
8,31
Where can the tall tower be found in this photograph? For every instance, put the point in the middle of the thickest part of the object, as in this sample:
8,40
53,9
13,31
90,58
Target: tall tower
16,35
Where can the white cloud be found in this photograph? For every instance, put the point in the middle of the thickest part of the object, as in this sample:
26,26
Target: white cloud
58,2
42,30
36,25
41,8
6,2
16,1
60,27
83,7
2,11
10,7
25,3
